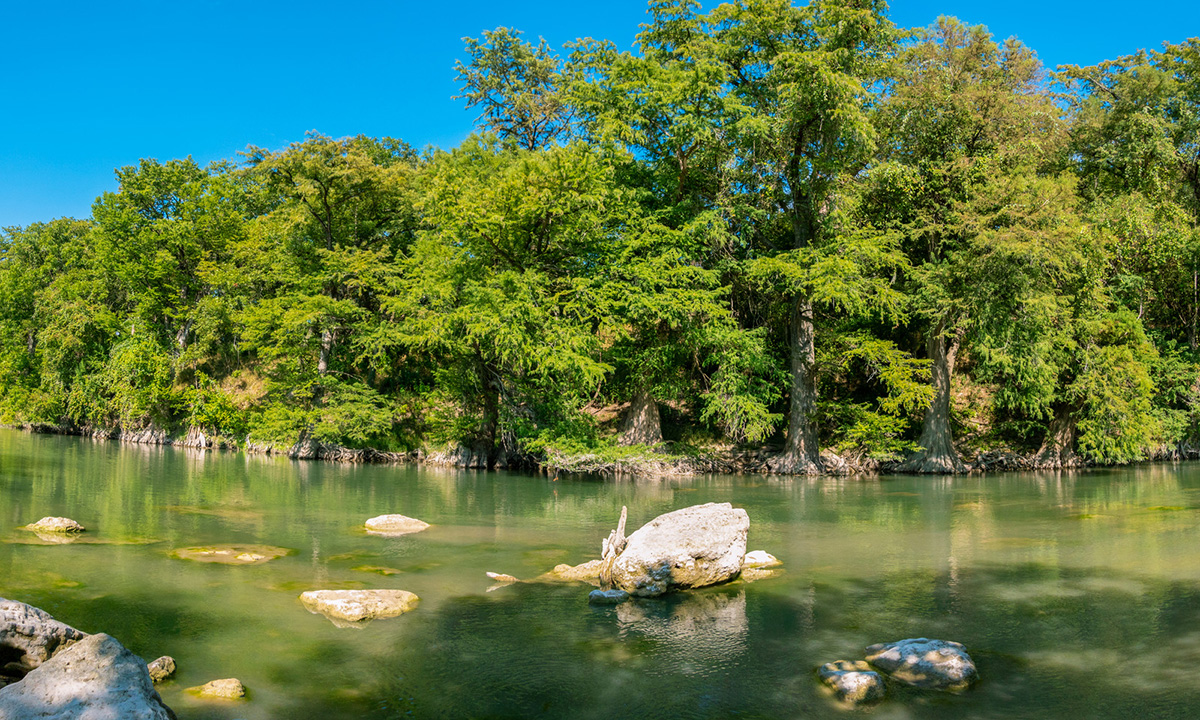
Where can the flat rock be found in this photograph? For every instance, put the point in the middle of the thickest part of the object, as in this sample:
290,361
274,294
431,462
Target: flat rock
922,662
689,548
588,572
502,578
852,682
358,606
30,637
55,525
607,597
231,554
161,668
759,560
225,689
93,679
393,525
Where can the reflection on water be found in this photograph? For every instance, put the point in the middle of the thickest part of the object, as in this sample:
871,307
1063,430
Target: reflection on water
1078,593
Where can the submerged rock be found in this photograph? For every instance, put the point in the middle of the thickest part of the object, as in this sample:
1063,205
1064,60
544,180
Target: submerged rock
588,572
55,525
226,689
935,664
30,637
231,554
852,682
607,597
161,669
358,606
392,525
689,548
93,679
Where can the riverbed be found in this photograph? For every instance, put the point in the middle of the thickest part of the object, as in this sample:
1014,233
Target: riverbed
1077,593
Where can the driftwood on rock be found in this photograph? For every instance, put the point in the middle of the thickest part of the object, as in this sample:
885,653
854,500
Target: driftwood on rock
610,548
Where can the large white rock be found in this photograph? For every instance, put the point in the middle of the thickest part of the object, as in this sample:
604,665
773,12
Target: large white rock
936,664
93,679
392,525
358,606
31,636
688,548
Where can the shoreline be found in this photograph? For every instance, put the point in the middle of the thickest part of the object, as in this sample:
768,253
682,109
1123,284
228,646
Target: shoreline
648,464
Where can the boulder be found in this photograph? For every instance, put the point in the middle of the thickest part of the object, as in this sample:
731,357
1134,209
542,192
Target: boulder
607,597
852,682
55,525
161,669
935,664
30,637
224,689
394,525
93,679
689,548
358,606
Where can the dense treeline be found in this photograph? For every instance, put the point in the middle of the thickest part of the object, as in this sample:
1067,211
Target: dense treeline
770,224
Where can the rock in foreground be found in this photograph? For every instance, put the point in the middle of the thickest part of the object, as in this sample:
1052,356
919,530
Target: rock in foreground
358,606
29,637
921,662
55,525
93,679
393,525
852,682
689,548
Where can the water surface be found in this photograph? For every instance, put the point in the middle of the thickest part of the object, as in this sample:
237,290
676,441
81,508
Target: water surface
1078,594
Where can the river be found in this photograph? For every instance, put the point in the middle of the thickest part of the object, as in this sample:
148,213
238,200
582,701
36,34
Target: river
1077,593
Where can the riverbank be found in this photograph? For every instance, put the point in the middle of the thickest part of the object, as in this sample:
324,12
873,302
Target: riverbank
638,461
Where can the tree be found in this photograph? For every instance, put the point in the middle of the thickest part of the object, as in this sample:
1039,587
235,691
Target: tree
800,77
522,89
964,111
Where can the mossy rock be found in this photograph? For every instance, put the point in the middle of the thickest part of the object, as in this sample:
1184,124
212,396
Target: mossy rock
231,554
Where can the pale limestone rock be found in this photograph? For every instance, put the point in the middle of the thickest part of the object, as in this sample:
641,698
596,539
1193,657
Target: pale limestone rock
225,689
55,525
162,668
852,682
358,606
393,525
936,664
760,559
689,548
93,679
31,636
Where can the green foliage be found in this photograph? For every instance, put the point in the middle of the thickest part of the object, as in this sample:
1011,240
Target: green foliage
760,207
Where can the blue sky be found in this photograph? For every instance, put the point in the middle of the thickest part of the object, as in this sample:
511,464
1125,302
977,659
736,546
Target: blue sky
92,86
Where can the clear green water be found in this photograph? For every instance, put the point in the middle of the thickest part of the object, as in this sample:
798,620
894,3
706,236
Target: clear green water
1078,594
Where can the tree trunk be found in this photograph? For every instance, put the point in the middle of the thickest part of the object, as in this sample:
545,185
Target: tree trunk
491,415
937,454
326,352
642,425
1058,448
802,454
